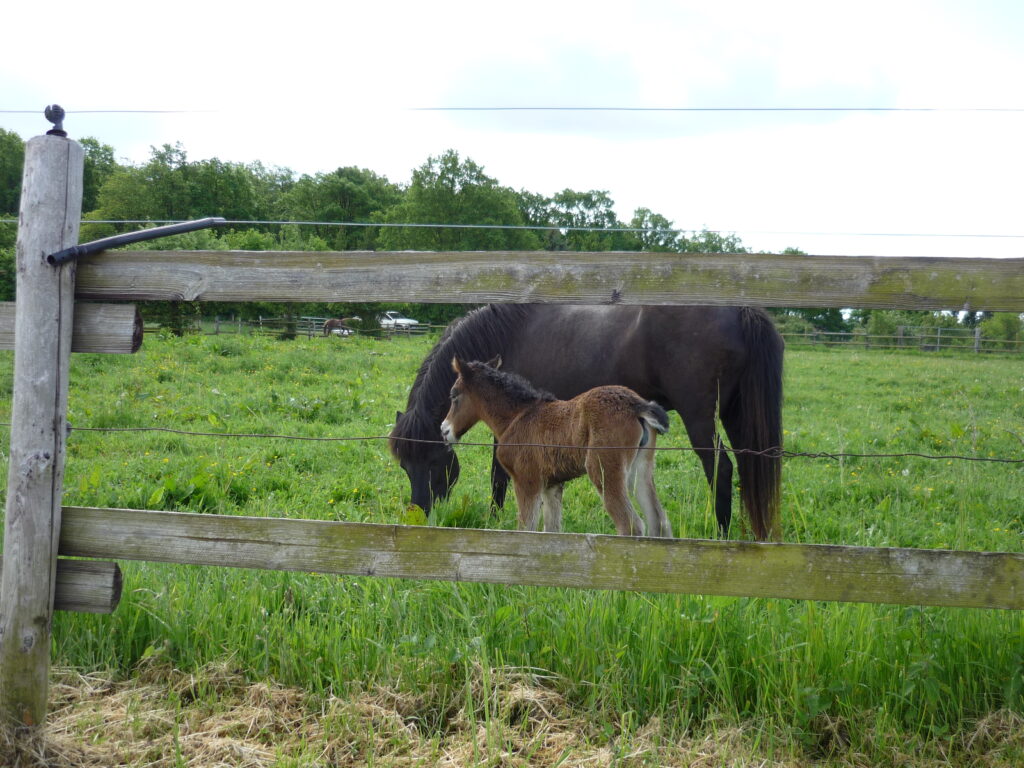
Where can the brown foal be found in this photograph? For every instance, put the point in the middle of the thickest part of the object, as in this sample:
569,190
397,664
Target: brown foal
608,433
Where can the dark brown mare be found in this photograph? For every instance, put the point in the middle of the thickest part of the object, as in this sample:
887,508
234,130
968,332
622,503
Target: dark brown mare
607,433
339,324
709,364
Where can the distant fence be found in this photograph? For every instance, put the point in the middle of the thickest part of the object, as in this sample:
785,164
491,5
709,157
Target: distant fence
910,338
38,528
283,326
905,338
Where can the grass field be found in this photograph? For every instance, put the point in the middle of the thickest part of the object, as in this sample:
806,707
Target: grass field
297,669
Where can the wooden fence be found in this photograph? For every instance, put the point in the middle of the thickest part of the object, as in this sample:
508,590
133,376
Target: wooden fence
280,326
38,529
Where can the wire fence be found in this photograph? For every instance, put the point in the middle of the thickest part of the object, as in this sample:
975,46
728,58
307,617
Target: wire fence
776,452
559,227
924,339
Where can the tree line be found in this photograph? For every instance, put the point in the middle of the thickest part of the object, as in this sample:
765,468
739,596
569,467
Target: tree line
357,209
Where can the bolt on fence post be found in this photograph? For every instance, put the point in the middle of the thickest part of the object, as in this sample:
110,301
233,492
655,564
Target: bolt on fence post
51,202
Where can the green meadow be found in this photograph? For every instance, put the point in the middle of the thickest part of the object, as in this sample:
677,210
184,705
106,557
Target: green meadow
631,676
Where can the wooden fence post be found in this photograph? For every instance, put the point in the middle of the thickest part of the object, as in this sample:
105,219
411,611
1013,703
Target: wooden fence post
51,203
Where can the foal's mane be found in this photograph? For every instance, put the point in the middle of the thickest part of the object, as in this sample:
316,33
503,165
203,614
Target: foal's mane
480,335
513,387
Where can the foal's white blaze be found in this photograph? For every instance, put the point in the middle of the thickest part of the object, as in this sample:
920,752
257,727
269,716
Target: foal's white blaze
448,433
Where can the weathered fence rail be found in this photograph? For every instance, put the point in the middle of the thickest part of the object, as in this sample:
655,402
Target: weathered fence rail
35,531
87,586
105,328
580,561
774,280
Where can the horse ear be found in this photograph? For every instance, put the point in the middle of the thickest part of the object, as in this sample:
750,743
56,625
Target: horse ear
495,362
398,415
457,365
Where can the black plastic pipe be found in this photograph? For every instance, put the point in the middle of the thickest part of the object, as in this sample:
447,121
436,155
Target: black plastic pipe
86,249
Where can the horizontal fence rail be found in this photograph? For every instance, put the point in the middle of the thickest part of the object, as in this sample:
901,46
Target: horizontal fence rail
776,280
87,586
582,561
100,328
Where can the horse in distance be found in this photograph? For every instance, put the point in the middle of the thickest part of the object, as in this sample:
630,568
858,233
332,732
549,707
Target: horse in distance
608,433
340,325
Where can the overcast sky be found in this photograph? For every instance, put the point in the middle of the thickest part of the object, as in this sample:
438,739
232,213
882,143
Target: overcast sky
313,86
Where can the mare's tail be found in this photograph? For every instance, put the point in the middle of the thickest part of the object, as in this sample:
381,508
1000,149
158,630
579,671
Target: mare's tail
754,422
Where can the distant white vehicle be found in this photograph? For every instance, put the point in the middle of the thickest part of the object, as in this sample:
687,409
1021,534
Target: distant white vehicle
392,319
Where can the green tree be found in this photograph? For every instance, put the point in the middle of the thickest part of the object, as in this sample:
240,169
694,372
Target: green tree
7,274
535,210
169,186
1005,327
12,160
346,194
659,234
98,167
707,241
270,187
449,190
581,216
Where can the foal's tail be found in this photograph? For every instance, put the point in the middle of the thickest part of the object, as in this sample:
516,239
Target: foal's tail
653,415
754,420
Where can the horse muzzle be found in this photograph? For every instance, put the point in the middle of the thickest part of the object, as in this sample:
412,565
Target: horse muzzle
448,433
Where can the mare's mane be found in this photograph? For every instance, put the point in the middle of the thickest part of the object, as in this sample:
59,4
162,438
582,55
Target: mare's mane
480,335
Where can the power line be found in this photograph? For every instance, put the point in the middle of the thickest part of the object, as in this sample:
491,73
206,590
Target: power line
715,109
112,111
591,108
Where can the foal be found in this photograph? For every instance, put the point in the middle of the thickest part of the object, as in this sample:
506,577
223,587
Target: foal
607,433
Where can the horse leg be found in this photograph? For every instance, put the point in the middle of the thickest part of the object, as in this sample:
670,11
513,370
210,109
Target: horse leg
642,484
609,475
552,497
528,497
499,482
717,468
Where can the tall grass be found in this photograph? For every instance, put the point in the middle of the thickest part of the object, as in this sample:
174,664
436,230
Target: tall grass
818,675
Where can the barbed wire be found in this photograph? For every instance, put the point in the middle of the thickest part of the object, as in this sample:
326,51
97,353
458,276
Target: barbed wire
770,452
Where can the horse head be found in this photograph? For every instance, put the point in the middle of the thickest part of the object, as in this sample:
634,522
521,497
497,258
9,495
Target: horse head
464,407
431,465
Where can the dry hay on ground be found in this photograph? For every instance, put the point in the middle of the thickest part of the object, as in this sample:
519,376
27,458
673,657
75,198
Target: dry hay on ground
164,718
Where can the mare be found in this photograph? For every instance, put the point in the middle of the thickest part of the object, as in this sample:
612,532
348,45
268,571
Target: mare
340,324
709,364
607,433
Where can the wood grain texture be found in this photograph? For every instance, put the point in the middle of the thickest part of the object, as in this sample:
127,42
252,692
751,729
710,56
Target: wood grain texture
87,586
104,328
582,561
777,280
51,198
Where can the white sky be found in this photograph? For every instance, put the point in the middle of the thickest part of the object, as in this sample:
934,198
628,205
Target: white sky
313,86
